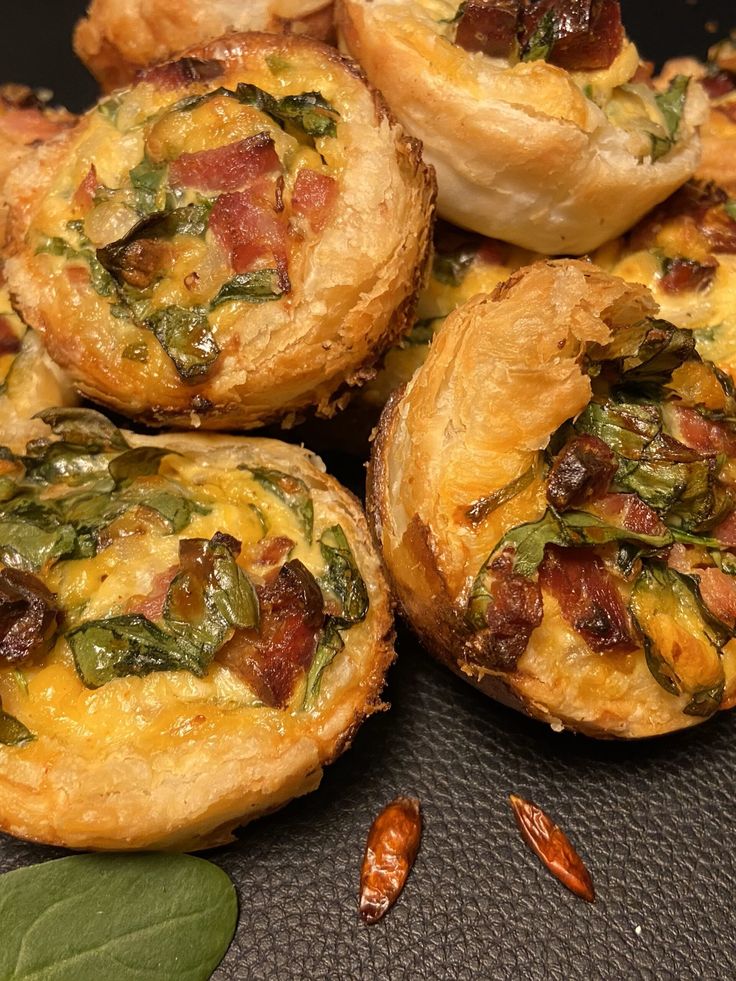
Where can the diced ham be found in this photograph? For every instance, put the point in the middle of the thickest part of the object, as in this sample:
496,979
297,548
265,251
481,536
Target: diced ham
271,658
707,436
587,34
9,341
233,167
85,194
630,512
249,230
688,276
725,532
152,605
588,597
176,74
490,26
314,197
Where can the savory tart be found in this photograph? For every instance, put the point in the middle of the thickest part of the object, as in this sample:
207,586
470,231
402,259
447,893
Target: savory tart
554,494
685,253
718,134
192,627
118,38
533,115
241,236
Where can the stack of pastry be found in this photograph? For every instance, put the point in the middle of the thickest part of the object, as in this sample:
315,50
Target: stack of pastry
241,232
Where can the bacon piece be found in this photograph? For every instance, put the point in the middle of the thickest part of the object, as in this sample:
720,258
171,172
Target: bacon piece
588,598
28,616
492,252
24,126
152,606
85,194
9,341
687,275
581,471
725,532
513,613
249,230
587,34
176,74
489,26
704,435
227,168
271,658
718,84
314,197
630,512
717,589
719,229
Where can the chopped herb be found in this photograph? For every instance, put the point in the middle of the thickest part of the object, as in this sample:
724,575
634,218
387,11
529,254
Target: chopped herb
541,41
147,180
342,577
110,108
310,112
292,491
258,286
186,336
671,104
730,208
277,65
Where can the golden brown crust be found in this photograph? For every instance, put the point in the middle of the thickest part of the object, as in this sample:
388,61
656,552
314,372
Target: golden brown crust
165,764
521,154
117,39
357,284
501,377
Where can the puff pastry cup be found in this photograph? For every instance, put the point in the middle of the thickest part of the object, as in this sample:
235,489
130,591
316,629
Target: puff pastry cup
718,134
241,236
192,627
118,38
553,493
555,155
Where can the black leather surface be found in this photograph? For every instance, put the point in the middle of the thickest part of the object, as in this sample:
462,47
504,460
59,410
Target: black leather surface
654,821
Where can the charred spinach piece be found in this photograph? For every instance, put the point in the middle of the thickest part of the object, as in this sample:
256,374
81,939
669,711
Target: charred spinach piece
28,616
342,577
186,336
682,642
12,731
84,428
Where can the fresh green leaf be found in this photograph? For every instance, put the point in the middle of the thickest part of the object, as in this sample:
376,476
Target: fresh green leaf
330,645
292,491
145,917
143,461
12,733
147,180
186,336
542,40
129,644
84,427
342,577
258,286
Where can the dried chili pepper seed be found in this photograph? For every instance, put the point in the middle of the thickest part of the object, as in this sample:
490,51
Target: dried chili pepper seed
392,846
550,844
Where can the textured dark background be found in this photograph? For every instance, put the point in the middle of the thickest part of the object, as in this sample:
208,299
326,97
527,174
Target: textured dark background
654,821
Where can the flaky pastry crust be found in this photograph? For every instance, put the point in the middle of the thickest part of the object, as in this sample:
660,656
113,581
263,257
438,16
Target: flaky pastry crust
353,279
170,760
521,153
502,375
116,40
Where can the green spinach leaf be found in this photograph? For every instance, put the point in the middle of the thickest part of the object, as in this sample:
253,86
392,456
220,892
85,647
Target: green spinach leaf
291,490
342,577
329,646
147,180
12,731
186,336
258,286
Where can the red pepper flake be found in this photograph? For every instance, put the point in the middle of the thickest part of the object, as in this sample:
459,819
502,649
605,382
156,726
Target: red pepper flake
392,846
552,846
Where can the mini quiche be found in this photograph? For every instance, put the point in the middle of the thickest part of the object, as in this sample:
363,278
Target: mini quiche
685,253
118,38
191,627
718,134
554,494
532,114
239,236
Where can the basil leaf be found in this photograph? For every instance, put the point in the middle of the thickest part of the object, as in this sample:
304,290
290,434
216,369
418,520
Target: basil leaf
84,427
129,644
186,336
143,461
329,646
258,286
292,491
13,733
541,41
574,528
147,179
121,917
342,577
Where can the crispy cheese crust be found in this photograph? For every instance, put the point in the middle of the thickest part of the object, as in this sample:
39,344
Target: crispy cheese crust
117,39
233,290
522,153
503,374
172,760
